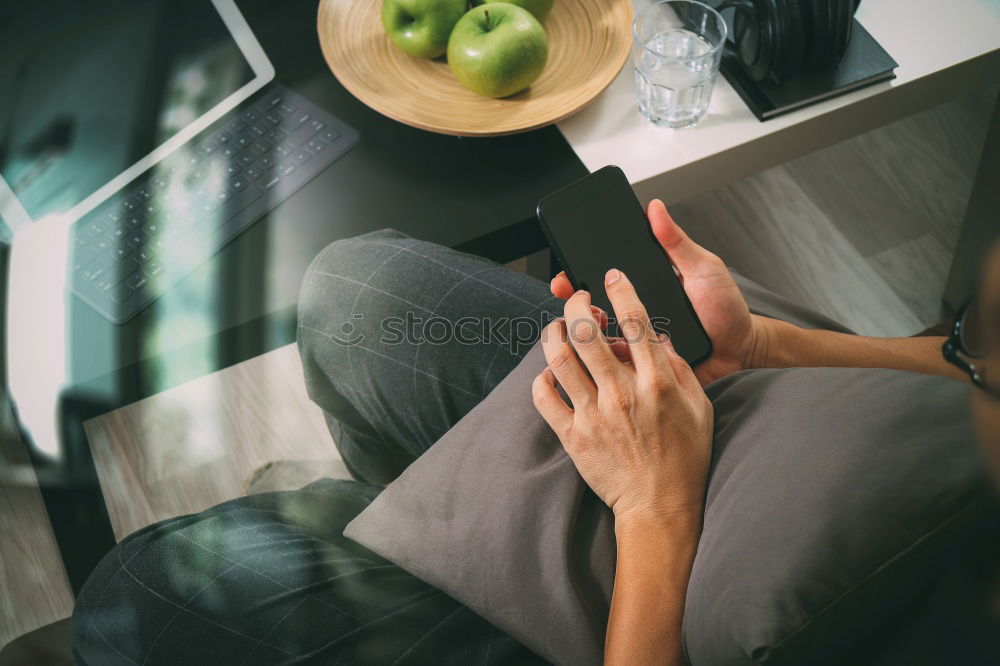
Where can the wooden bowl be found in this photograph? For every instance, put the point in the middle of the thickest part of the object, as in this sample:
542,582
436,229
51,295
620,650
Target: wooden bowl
589,41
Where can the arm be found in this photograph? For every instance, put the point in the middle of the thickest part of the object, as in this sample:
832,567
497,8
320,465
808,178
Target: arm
651,578
784,345
639,432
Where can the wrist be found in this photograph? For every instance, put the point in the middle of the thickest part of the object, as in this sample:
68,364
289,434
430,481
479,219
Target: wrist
770,340
674,523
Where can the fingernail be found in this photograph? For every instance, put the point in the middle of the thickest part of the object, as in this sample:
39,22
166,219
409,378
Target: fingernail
612,276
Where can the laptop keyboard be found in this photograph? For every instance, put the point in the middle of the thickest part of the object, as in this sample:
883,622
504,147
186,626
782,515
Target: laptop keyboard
158,229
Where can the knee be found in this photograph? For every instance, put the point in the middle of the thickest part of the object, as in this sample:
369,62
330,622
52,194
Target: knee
336,278
212,582
111,620
331,294
347,291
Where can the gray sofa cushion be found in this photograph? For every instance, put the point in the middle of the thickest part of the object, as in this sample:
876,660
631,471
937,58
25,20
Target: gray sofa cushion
833,494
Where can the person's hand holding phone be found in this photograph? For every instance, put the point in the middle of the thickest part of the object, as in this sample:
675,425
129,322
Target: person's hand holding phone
639,432
737,337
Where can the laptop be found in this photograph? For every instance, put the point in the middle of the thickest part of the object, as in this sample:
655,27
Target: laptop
154,131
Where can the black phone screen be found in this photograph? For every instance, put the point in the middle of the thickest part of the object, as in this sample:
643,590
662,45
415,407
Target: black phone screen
596,224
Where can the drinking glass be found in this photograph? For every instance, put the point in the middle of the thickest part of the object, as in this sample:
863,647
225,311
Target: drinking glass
676,48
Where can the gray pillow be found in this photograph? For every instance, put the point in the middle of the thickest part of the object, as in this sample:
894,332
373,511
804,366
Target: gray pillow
496,515
833,495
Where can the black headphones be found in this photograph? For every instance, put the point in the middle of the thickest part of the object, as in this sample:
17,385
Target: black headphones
776,39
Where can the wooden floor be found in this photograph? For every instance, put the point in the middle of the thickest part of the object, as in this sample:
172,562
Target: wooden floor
862,231
193,446
34,590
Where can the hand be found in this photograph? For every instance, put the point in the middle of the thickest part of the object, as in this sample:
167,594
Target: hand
737,336
639,433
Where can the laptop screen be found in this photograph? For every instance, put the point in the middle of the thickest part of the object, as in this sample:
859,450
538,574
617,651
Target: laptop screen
87,89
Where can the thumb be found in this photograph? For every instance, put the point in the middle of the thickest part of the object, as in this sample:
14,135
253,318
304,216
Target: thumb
683,252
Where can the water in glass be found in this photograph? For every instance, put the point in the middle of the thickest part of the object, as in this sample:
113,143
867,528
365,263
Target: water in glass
674,77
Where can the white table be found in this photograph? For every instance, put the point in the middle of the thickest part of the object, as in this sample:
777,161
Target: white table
944,49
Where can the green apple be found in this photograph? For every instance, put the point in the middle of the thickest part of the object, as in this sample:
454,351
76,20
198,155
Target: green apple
538,8
497,49
421,27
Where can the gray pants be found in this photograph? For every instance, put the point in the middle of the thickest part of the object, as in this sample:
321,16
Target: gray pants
399,339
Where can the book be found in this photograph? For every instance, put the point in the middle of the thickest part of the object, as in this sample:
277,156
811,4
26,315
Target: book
865,62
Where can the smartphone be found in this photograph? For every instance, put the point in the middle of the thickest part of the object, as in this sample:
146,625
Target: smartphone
596,224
